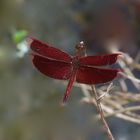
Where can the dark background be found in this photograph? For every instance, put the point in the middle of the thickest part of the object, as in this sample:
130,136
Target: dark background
30,102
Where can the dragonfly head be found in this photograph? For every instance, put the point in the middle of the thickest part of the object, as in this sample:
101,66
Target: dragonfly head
80,48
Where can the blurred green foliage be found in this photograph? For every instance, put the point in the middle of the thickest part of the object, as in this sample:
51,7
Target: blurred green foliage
19,36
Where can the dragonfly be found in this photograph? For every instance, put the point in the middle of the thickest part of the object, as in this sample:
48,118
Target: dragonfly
58,64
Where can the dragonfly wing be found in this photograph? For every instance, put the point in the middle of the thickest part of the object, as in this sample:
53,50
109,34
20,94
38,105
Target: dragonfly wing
54,69
47,50
99,60
91,75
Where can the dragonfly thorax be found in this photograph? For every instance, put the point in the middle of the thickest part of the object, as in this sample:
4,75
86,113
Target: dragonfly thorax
75,62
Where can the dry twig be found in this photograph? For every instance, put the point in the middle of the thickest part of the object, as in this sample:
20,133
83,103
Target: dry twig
99,107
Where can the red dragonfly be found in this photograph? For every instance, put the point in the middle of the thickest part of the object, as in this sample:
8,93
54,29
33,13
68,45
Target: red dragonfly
57,64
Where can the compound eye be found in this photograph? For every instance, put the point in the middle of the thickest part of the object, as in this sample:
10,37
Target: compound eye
80,46
82,43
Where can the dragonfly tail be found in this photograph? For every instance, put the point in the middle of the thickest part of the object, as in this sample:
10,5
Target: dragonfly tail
69,87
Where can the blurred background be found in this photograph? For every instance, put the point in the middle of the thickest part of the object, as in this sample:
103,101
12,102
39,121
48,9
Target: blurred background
30,102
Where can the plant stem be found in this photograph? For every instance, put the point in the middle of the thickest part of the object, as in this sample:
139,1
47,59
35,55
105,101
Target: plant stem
99,107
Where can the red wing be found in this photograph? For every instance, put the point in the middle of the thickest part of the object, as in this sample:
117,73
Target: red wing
99,60
52,68
91,75
47,50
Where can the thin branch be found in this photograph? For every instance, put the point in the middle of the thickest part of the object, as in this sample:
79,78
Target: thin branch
133,108
99,107
120,115
108,108
135,65
109,88
132,78
123,65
